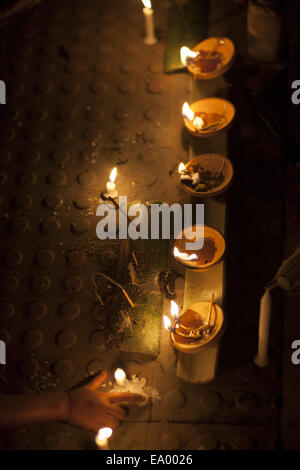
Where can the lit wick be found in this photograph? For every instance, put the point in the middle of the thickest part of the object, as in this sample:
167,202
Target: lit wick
187,55
120,377
184,256
149,23
102,437
189,114
174,311
111,191
182,169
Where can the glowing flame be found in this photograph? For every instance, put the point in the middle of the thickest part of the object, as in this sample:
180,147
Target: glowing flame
187,112
186,53
198,122
181,168
184,256
167,323
120,375
147,3
113,175
102,435
174,310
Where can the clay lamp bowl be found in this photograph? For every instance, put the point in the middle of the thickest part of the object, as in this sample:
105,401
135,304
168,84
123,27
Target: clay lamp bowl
200,260
216,58
208,117
194,317
213,172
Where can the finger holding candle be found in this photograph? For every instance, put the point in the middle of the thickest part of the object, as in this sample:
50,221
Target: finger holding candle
126,397
149,23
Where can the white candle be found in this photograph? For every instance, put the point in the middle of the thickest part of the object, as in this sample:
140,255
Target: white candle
120,377
186,177
262,357
149,23
111,189
102,437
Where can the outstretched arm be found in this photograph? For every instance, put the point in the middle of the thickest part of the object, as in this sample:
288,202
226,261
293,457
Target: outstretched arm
21,410
85,407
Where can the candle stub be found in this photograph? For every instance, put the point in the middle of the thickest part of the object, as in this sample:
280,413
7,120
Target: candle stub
111,189
102,437
120,377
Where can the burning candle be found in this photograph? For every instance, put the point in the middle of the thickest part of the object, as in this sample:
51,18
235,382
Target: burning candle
189,114
149,23
120,377
102,437
184,176
111,190
167,323
262,357
184,256
174,310
181,168
187,54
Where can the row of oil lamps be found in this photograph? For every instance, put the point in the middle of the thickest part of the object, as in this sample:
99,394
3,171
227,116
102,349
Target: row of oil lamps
111,191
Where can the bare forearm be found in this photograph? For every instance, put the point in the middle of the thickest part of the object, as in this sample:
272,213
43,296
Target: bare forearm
21,410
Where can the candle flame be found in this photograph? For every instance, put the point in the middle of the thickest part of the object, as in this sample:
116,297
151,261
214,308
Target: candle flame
187,112
103,433
167,323
113,175
120,374
184,256
174,310
147,3
186,53
181,168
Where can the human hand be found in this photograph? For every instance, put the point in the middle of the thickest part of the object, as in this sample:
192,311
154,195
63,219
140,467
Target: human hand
91,409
